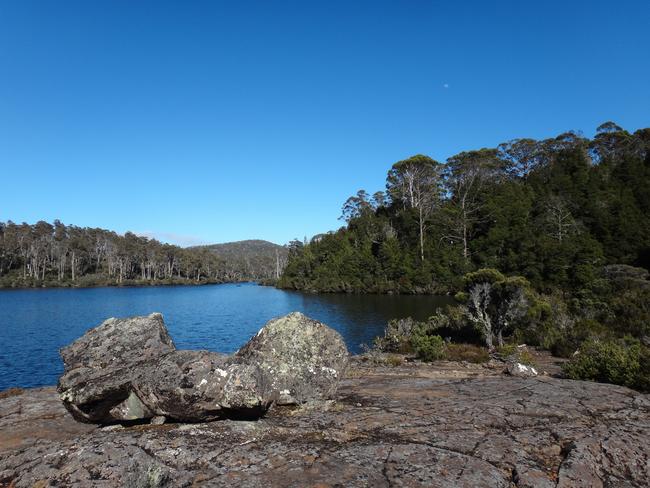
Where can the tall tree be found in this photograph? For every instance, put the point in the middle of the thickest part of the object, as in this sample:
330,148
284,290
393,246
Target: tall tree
416,183
467,175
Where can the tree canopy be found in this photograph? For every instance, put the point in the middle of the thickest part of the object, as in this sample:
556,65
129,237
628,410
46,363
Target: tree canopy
553,211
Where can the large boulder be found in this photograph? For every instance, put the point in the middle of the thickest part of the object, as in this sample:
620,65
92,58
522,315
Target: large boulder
201,385
103,367
302,358
129,370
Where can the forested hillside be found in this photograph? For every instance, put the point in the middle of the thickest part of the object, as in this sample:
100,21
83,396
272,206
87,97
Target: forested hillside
541,242
45,254
554,211
251,259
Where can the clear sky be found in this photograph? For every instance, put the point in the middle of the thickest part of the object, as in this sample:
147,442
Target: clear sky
207,121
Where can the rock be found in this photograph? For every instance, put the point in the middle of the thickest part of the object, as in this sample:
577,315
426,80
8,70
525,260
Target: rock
424,425
520,370
103,368
158,420
303,359
128,370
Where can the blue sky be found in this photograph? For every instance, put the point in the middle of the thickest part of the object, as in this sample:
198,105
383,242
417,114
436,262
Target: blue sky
218,121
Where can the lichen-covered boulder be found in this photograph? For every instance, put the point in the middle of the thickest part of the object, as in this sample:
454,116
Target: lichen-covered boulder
302,358
202,385
102,367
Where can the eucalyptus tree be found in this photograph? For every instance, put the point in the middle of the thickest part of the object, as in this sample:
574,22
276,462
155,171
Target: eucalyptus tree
416,183
467,176
520,157
357,205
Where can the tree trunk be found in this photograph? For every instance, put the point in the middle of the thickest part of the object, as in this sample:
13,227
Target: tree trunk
465,249
421,236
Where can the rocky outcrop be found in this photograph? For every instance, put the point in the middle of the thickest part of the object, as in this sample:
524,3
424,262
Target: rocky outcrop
443,425
128,370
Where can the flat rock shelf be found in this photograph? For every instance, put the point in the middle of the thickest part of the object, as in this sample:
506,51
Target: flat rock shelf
441,425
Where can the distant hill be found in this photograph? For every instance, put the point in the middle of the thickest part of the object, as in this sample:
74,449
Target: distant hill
250,260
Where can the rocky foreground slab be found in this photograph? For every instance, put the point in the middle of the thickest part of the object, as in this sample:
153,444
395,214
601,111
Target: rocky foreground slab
444,425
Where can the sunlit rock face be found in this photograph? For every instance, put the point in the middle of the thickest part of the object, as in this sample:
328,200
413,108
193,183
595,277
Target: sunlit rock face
129,370
302,358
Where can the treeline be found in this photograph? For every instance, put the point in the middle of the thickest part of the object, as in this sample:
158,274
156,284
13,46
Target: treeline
45,254
554,211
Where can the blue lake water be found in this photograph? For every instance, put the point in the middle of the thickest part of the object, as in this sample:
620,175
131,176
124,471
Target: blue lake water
34,324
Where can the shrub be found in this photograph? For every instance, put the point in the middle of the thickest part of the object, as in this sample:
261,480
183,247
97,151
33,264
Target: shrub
506,350
461,297
394,360
526,358
397,336
617,362
496,304
643,379
466,352
512,352
569,340
428,347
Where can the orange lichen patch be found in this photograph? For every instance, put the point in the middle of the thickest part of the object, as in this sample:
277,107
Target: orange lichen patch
11,392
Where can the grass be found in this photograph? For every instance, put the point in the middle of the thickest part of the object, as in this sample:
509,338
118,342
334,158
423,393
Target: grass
466,352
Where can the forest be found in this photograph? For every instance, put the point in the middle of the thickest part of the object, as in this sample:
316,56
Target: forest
255,260
542,241
45,254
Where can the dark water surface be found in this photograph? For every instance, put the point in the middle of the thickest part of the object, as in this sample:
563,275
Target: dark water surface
34,324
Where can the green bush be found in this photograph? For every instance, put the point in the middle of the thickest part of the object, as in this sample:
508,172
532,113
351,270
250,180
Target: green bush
461,297
506,350
512,352
428,347
643,379
618,362
397,336
526,358
484,275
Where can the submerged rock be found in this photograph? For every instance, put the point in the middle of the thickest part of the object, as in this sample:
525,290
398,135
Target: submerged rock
129,370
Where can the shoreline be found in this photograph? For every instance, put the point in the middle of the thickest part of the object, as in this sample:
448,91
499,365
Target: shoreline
259,282
123,285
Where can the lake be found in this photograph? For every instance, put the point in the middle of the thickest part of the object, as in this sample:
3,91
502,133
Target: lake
34,324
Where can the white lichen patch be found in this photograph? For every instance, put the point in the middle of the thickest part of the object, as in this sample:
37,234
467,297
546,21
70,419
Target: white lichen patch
327,370
67,396
526,369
